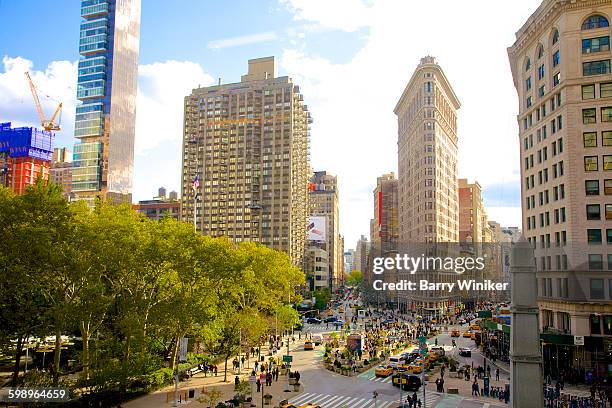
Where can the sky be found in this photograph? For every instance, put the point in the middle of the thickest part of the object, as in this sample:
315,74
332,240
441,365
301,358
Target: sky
351,58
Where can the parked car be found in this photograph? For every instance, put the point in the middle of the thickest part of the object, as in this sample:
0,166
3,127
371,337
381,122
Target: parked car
313,320
330,319
465,352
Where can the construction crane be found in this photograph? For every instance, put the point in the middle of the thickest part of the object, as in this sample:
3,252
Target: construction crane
47,125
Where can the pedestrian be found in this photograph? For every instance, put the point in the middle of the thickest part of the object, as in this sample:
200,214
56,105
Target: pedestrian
256,365
242,361
297,376
475,388
269,379
497,374
236,383
258,382
215,368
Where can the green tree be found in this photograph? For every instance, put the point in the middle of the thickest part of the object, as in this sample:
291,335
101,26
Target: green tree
355,278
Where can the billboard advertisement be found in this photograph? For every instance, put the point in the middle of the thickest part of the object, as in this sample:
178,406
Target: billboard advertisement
316,228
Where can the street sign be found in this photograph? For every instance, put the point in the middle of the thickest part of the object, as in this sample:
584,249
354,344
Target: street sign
578,340
422,340
252,379
287,359
183,349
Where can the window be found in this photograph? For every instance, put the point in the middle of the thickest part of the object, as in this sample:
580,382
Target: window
594,236
555,37
556,79
595,262
597,290
608,187
556,58
588,91
605,90
528,65
596,21
588,116
540,51
595,320
598,44
606,114
607,320
607,162
591,187
589,139
528,101
590,163
609,241
541,71
541,92
608,211
593,212
528,84
606,138
596,67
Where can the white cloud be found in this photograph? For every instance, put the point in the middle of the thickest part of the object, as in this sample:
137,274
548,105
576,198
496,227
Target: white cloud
506,216
346,15
56,83
352,103
242,40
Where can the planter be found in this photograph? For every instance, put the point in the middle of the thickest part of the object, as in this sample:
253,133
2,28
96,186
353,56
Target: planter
267,399
453,374
296,387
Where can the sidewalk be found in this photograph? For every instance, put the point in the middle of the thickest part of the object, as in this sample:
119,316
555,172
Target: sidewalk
165,396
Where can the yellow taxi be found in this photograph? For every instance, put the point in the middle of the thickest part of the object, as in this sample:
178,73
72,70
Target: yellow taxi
341,309
416,367
308,345
467,333
383,371
310,406
455,333
474,327
286,404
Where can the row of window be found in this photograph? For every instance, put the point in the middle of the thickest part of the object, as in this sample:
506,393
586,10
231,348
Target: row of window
560,240
593,211
557,171
589,115
555,102
559,218
594,236
592,187
589,139
591,163
542,154
558,194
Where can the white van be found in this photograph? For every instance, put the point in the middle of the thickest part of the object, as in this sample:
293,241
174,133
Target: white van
395,361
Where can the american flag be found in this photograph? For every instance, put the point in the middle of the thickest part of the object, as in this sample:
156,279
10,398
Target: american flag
195,184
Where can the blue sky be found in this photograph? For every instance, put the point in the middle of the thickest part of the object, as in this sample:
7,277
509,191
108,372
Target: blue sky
352,59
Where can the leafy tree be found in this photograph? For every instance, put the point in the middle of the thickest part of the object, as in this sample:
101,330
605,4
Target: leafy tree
355,278
322,298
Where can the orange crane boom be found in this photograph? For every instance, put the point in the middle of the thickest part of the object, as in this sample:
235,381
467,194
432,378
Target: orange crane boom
47,125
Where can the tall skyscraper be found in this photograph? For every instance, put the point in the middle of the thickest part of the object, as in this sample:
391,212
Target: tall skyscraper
361,255
323,201
103,161
427,153
383,233
427,163
247,143
560,64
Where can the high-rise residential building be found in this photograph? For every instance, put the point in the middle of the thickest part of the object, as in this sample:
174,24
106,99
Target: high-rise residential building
103,160
560,64
383,231
361,255
247,143
427,178
316,268
383,227
427,157
473,223
349,258
323,201
60,171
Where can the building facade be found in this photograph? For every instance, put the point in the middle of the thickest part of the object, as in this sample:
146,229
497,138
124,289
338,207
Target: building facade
60,171
427,178
323,201
316,268
560,64
473,222
103,159
247,143
361,255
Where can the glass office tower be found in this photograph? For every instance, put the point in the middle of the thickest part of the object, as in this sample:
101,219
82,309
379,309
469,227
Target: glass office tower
105,121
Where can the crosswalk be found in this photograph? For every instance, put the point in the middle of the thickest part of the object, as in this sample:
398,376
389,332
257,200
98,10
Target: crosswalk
343,401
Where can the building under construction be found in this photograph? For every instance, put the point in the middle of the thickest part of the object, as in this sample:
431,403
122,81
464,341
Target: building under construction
25,154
